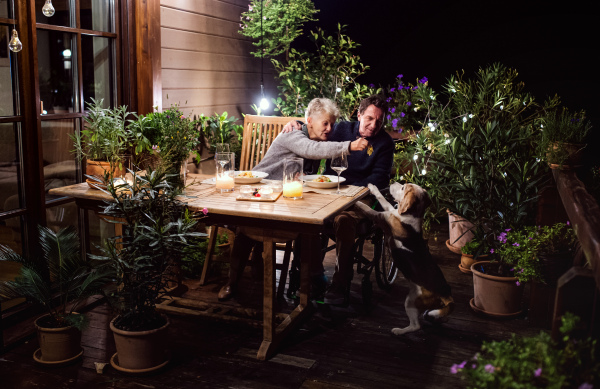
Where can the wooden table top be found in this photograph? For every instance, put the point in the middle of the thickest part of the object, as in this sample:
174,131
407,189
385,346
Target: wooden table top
312,209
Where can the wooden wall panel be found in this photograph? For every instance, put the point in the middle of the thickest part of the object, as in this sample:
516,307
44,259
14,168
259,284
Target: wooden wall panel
206,63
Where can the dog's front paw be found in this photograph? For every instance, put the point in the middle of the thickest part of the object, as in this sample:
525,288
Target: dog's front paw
372,188
362,207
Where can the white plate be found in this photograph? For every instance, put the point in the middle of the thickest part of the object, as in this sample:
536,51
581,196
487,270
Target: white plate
308,180
258,176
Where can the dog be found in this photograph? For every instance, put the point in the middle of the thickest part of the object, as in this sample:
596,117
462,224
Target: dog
429,293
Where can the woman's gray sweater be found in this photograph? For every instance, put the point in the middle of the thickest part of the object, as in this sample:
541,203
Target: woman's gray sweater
297,144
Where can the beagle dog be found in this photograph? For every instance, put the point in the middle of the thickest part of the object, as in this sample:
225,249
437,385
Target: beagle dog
428,290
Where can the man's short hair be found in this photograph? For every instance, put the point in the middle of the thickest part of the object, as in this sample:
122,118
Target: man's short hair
376,100
321,106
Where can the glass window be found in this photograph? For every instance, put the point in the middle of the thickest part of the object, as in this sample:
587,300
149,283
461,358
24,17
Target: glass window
10,234
5,9
6,87
10,168
96,15
62,13
57,68
98,69
62,216
60,168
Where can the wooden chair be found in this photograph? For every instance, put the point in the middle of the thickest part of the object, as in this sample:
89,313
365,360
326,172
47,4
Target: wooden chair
259,133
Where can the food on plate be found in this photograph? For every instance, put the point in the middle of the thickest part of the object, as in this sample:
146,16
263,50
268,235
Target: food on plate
322,179
247,175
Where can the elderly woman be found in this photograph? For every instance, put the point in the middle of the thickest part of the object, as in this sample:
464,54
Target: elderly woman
320,115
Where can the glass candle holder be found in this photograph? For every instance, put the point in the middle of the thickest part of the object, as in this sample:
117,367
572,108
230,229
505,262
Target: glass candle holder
246,191
277,186
293,169
265,191
225,171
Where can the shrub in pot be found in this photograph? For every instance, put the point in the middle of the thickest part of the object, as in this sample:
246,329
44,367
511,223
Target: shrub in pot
59,280
157,228
535,361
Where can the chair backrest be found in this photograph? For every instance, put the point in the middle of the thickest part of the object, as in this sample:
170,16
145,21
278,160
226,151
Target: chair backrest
259,133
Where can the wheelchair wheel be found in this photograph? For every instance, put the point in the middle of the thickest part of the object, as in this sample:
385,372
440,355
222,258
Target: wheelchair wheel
385,270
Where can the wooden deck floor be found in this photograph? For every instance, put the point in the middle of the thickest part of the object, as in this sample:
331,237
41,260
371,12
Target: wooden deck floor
349,348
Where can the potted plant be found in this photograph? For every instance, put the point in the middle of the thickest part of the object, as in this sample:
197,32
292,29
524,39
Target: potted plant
222,129
173,137
563,137
471,252
103,143
59,279
157,228
535,361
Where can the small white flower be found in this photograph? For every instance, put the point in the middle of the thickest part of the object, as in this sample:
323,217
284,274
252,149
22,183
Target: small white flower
504,174
432,97
430,124
401,177
347,78
429,146
424,171
541,125
447,141
465,119
338,89
501,107
537,159
416,156
453,90
524,103
471,116
264,18
446,135
511,204
416,109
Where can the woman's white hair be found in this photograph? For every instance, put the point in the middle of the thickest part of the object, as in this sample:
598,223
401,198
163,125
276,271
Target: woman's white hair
321,106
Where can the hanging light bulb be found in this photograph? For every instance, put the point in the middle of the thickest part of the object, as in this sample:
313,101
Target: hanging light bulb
48,9
264,103
15,44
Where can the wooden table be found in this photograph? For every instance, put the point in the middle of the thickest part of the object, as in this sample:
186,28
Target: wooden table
267,222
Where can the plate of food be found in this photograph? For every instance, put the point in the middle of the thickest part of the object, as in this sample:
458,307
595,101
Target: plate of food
322,181
249,177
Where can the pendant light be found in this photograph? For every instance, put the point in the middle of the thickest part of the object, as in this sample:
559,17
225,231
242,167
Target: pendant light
48,9
15,44
264,103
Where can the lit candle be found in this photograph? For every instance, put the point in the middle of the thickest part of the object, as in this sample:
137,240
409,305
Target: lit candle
224,181
292,189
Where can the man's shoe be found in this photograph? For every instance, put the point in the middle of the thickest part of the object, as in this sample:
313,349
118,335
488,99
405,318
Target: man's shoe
226,292
336,295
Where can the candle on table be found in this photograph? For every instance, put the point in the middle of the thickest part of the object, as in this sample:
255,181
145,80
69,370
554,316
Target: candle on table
224,181
292,189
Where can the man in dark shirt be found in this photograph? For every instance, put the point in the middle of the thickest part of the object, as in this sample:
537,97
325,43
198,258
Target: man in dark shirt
371,165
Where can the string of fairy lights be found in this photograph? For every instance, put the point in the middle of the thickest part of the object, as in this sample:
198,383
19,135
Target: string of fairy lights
15,44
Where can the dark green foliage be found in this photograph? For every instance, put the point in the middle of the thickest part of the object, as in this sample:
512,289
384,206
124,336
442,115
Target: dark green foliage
58,277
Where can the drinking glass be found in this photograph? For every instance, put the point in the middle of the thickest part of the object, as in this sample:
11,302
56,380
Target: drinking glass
221,148
225,171
339,164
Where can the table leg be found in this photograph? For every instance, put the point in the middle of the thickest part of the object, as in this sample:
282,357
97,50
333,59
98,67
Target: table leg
272,337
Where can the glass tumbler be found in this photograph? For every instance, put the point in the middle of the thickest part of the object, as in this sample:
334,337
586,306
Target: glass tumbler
225,171
293,169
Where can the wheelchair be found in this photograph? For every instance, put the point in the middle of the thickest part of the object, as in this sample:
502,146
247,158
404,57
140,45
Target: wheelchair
382,262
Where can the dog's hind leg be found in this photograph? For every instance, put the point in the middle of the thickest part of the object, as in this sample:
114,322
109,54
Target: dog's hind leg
411,311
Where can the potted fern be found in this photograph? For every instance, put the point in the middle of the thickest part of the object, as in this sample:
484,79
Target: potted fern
59,280
157,229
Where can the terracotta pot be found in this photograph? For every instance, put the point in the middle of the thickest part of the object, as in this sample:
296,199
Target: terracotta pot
140,351
495,295
570,154
57,345
466,260
98,169
460,233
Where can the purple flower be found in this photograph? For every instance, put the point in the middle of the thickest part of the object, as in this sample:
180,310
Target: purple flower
473,366
518,283
529,238
512,269
415,88
388,99
408,103
402,114
491,251
462,365
389,117
489,368
400,130
568,223
392,90
205,211
454,369
395,123
400,76
537,372
371,85
154,147
393,109
521,271
507,230
516,244
585,385
423,80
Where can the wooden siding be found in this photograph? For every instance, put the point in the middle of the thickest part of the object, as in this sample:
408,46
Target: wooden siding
206,63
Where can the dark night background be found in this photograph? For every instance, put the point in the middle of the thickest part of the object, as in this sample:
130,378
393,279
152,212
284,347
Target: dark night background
553,45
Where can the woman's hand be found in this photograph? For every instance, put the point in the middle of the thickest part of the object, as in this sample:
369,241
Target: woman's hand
291,126
359,144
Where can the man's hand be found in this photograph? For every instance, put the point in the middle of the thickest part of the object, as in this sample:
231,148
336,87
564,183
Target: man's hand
358,145
291,126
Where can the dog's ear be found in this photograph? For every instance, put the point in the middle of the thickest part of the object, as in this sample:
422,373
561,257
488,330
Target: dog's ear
408,201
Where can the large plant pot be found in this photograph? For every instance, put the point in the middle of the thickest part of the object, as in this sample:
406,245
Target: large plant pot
460,232
494,295
58,346
140,351
98,169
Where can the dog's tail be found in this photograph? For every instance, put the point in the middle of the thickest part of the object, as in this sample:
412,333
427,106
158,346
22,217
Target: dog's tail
438,314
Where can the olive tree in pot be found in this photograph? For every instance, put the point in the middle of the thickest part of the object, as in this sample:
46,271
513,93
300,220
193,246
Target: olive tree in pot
60,279
157,228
